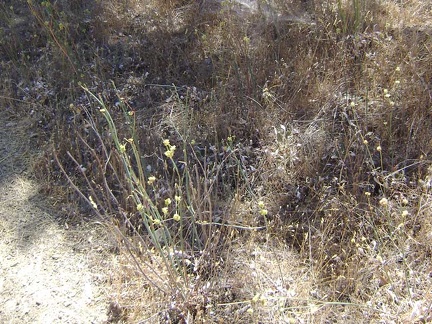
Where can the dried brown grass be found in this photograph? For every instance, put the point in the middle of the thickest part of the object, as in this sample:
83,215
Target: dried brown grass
308,101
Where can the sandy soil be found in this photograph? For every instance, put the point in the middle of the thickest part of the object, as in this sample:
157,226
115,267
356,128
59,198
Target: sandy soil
49,273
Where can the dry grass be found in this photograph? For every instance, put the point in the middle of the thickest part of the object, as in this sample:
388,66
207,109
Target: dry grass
306,150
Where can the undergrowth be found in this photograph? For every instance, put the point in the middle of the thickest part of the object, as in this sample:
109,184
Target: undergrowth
265,163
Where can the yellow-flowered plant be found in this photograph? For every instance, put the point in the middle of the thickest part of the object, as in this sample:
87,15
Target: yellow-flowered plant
171,223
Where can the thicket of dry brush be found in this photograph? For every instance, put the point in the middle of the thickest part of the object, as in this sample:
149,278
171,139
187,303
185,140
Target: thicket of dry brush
288,144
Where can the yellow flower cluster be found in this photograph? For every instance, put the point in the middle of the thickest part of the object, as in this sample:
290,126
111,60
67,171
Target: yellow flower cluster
263,211
151,180
170,148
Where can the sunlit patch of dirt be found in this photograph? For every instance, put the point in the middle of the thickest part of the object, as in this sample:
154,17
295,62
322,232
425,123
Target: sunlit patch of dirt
49,272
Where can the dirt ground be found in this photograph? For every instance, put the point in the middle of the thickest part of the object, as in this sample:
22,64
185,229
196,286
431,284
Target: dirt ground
49,272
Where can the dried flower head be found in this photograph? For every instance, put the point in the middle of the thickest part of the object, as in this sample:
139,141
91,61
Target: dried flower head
151,180
383,202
